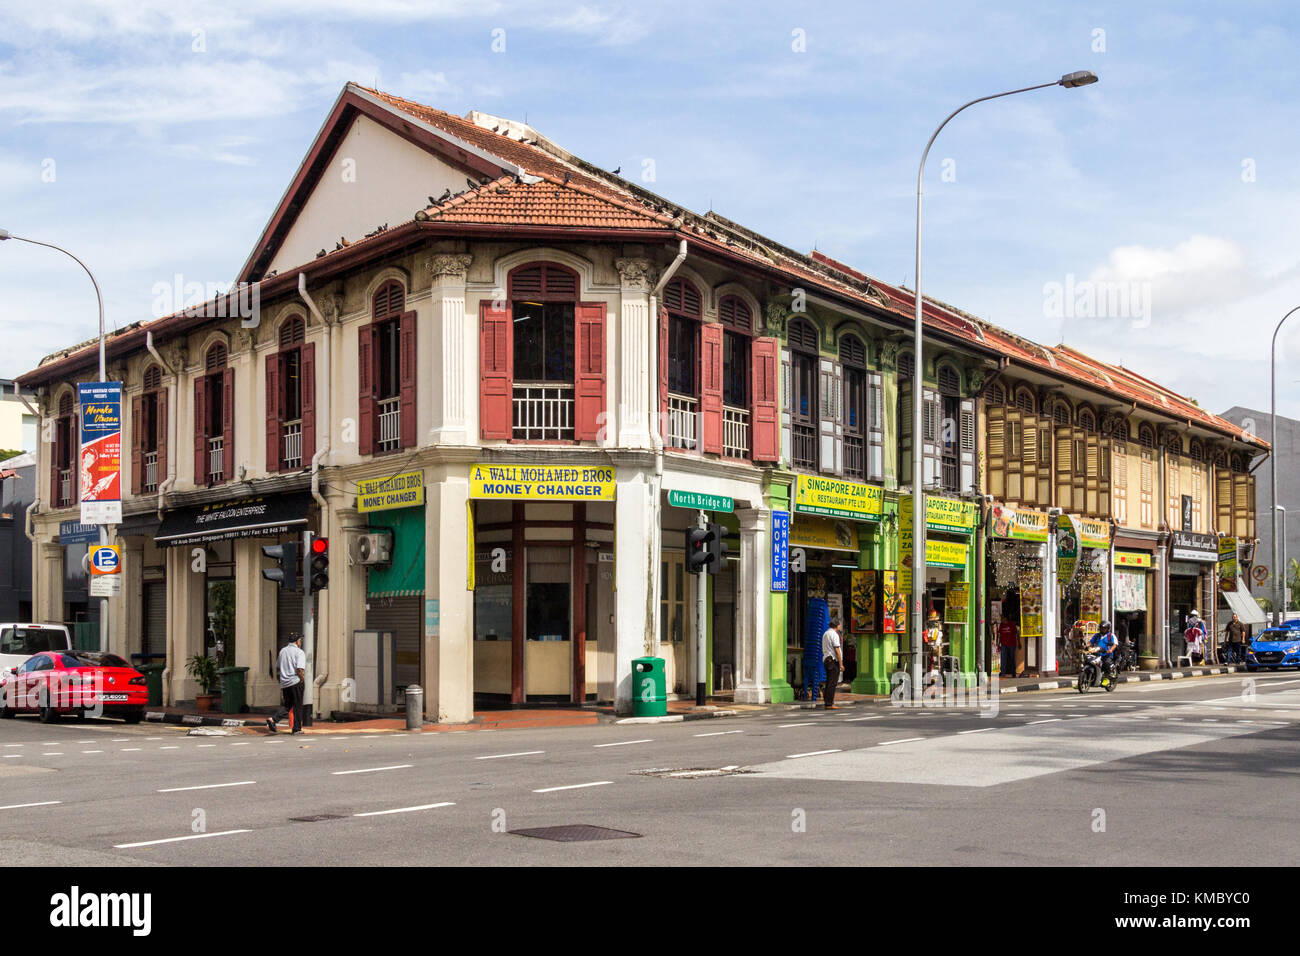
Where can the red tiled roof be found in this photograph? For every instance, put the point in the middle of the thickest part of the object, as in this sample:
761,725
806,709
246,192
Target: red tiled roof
548,202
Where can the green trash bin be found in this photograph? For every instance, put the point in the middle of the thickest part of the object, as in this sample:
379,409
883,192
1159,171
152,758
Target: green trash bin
232,689
649,688
153,681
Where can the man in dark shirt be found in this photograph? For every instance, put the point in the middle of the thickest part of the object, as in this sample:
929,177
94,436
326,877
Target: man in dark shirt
1008,638
1236,635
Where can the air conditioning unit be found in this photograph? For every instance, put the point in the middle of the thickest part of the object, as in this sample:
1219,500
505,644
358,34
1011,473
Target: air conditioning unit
375,548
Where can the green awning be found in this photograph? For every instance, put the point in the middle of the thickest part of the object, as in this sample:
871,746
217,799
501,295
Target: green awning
404,577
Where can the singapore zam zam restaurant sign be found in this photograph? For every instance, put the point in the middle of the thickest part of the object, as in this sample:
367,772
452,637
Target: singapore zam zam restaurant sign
541,482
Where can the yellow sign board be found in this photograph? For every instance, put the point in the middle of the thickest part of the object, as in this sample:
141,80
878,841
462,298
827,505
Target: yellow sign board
542,482
806,532
1132,559
1092,533
956,598
383,494
1019,524
836,498
938,554
941,514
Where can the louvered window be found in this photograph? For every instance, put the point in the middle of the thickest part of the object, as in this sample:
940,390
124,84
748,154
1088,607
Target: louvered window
1147,436
853,359
1120,434
1025,401
997,395
906,367
683,298
803,336
544,280
389,300
292,332
1197,450
1060,413
734,313
804,405
215,359
1087,420
152,378
949,381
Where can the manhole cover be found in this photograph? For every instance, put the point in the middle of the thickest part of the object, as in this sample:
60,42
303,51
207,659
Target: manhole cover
691,773
576,833
317,817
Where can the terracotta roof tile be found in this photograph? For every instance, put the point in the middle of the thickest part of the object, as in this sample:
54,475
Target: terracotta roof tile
548,202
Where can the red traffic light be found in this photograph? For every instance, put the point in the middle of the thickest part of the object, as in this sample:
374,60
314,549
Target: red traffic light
320,545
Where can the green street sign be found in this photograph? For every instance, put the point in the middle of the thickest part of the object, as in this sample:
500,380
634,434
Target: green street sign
699,502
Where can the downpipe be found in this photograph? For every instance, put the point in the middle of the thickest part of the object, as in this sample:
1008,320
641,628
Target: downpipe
169,482
318,679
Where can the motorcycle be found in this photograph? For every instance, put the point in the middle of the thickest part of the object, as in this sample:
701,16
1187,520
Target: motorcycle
1125,657
1094,673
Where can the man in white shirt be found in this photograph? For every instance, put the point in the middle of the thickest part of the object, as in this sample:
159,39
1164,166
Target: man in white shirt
833,660
292,666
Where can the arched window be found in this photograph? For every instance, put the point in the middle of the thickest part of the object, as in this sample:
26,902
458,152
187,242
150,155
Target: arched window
392,370
1025,400
684,308
1120,432
152,378
906,366
290,399
1060,412
735,314
1197,450
681,297
1174,443
1087,419
66,435
803,338
949,381
736,320
997,394
1146,436
149,433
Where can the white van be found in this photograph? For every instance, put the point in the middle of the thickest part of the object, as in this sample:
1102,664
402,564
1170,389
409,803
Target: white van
20,641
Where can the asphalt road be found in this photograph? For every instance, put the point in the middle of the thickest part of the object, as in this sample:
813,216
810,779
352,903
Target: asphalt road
1191,772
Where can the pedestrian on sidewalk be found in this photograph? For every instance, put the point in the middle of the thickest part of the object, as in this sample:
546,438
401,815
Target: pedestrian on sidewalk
833,660
293,677
1195,637
1235,634
1008,638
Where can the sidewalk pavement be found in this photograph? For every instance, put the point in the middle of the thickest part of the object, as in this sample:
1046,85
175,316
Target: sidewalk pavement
721,705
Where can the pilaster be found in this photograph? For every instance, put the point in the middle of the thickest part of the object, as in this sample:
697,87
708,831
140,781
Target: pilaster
448,342
753,684
635,327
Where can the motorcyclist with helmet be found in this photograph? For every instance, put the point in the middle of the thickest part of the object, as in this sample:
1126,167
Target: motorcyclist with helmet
1104,643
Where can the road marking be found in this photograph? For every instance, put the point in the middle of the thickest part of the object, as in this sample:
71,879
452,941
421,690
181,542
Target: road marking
810,723
127,750
90,741
195,836
980,731
119,740
92,751
1076,715
201,746
905,740
1139,718
243,743
53,753
1209,720
575,786
13,745
624,743
426,806
1173,718
720,733
851,720
209,786
153,738
400,766
812,753
12,756
19,806
522,753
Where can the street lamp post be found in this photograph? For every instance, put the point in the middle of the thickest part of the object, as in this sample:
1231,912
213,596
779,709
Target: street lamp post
103,375
1279,573
1069,81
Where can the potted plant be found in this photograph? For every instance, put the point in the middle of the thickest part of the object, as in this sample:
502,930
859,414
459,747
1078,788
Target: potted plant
203,670
1148,662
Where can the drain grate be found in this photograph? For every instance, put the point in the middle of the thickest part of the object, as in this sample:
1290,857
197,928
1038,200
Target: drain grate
317,817
576,833
691,773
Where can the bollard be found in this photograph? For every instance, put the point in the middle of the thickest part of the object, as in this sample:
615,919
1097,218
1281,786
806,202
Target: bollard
414,707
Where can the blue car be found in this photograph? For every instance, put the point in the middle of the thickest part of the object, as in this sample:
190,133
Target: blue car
1275,647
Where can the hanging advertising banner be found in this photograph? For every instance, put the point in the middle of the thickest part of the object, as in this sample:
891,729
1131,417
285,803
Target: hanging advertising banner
956,598
1090,603
835,498
893,605
780,551
1018,524
864,602
1130,590
938,554
1067,551
825,534
1227,564
541,483
1031,602
941,514
1090,532
1193,546
101,452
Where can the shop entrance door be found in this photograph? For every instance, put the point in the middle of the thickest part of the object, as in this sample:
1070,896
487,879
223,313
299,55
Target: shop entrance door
674,628
548,637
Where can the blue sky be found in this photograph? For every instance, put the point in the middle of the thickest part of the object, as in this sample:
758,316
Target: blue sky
151,149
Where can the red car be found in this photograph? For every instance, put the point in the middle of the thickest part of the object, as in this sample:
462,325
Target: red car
85,683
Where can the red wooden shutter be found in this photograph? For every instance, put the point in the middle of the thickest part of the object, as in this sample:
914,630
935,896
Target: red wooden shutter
137,447
711,387
366,389
766,424
496,365
406,371
589,384
160,423
272,413
308,402
200,431
56,449
663,372
228,424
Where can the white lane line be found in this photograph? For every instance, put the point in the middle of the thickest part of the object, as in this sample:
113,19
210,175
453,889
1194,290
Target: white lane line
575,786
1049,720
14,745
201,746
90,741
624,743
209,786
980,731
720,733
851,720
243,743
811,723
812,753
426,806
1076,715
1209,720
904,740
195,836
521,753
12,756
400,766
127,750
120,740
1139,718
53,753
92,751
171,747
1173,718
153,738
19,806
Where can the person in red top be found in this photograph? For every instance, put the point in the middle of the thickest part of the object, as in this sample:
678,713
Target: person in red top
1008,638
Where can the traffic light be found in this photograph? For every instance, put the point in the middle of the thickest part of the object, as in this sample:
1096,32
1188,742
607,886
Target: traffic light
705,549
697,549
318,568
286,569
